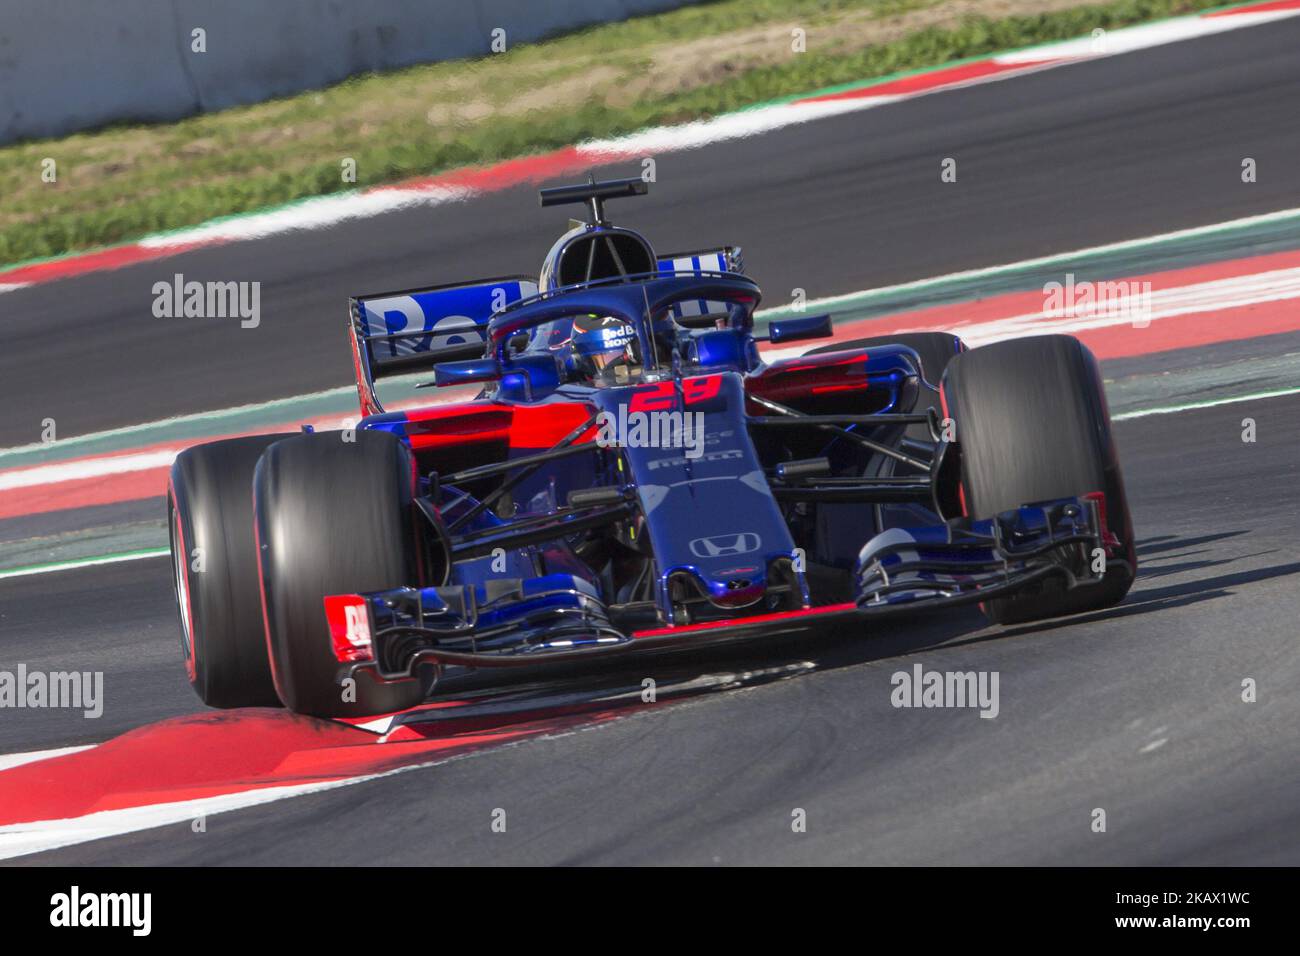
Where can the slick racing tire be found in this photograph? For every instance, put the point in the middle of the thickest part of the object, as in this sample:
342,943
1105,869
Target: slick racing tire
333,516
1032,425
214,572
936,350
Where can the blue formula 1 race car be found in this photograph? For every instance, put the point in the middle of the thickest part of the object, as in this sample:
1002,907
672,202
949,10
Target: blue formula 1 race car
632,474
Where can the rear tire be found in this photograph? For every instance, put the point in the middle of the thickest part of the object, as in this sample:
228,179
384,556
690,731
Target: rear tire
214,572
333,517
1032,425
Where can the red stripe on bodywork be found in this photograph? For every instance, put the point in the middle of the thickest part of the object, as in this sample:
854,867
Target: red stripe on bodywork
756,619
519,426
788,379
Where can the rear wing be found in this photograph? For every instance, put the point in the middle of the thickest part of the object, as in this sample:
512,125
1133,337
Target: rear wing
726,259
395,333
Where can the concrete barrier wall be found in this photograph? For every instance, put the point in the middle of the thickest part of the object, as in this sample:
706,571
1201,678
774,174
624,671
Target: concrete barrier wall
67,65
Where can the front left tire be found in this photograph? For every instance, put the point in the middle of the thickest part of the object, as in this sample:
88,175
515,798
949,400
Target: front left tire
214,572
333,516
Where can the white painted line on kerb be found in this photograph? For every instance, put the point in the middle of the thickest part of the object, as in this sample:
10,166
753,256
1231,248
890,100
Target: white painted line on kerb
86,468
1218,295
21,839
1060,258
9,761
729,126
1159,306
1145,35
316,213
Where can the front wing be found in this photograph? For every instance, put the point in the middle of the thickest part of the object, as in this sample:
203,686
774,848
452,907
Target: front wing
560,617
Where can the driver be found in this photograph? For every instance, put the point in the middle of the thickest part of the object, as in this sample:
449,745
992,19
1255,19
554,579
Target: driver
609,344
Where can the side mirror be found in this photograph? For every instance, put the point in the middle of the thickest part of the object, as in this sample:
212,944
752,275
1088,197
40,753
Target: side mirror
799,328
464,373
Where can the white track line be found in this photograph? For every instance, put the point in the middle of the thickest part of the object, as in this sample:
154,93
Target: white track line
9,761
1210,403
80,469
20,839
75,563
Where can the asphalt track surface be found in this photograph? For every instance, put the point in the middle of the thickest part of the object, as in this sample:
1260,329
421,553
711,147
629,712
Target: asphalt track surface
1096,152
1136,710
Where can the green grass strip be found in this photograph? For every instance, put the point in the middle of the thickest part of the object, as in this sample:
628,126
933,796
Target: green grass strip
249,158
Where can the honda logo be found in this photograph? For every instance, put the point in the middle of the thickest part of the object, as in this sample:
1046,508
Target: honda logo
718,545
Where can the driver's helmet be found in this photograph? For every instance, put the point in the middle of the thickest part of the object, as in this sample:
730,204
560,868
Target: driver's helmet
604,343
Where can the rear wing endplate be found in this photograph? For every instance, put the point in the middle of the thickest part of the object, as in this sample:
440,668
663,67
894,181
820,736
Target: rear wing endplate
395,333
